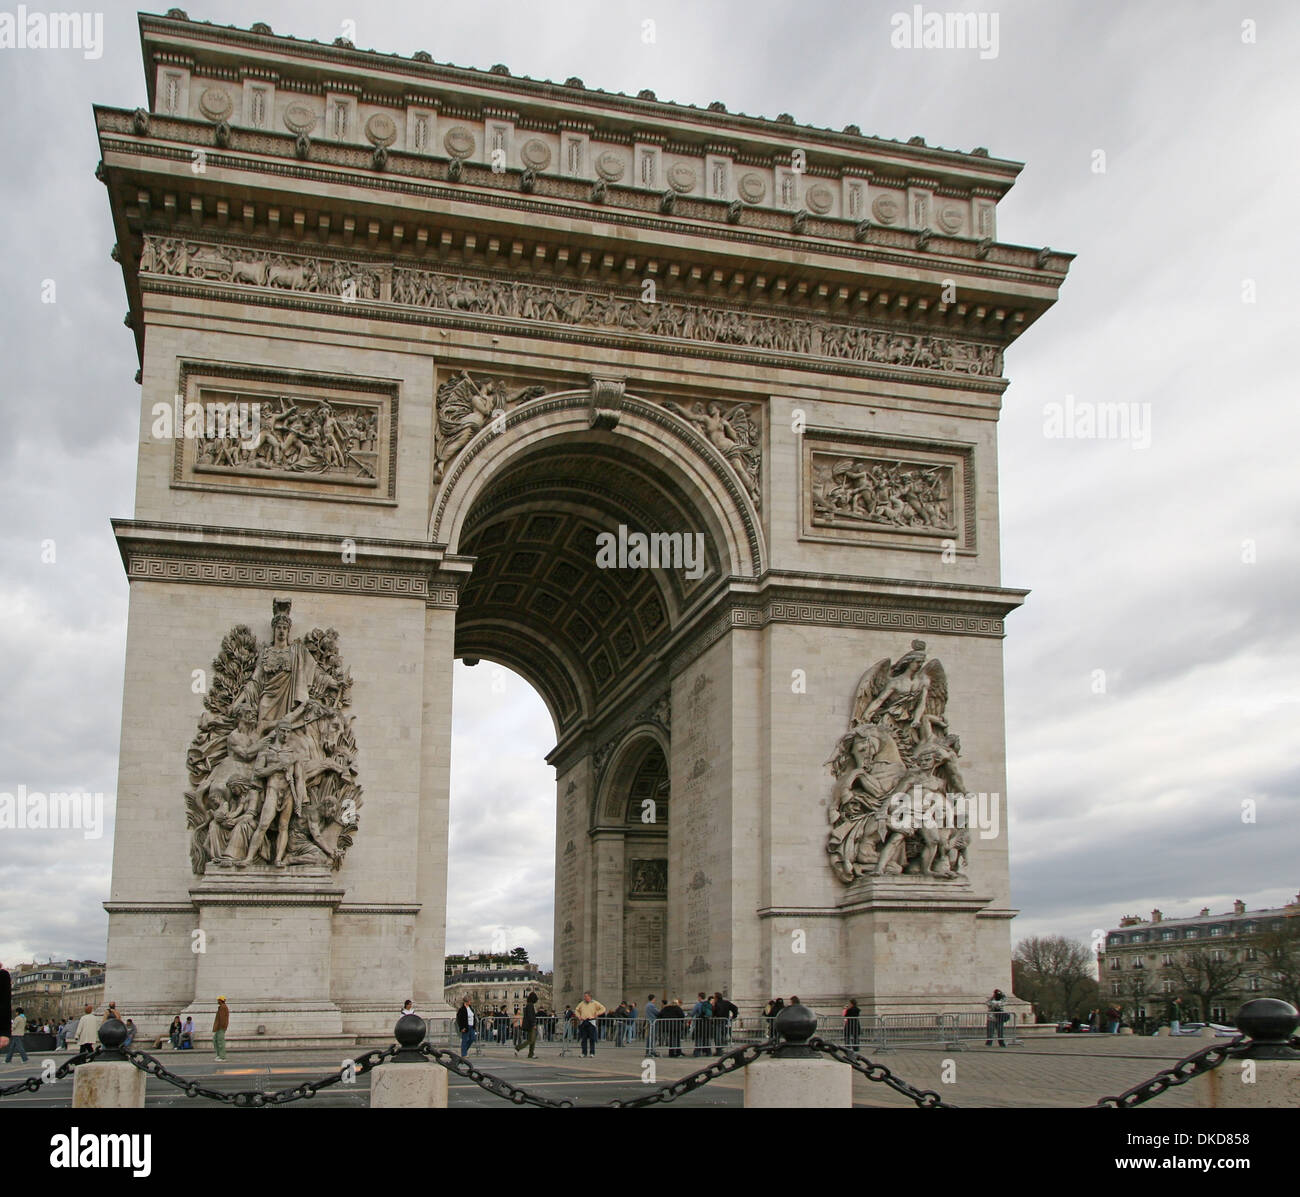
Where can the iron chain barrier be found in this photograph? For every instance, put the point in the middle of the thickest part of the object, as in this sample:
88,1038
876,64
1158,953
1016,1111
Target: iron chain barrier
1269,1035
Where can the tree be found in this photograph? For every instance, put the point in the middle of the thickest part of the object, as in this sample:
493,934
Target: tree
519,955
1199,975
1054,973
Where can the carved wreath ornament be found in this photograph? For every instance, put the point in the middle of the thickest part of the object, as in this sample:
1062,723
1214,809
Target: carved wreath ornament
272,776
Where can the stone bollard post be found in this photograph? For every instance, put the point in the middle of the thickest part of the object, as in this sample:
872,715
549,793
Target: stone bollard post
795,1075
409,1080
111,1082
1263,1073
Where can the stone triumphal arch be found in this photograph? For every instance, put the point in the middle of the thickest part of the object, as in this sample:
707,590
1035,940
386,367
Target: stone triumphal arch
689,417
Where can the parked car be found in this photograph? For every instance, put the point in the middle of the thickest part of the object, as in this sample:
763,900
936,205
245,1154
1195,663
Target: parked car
1072,1026
1193,1028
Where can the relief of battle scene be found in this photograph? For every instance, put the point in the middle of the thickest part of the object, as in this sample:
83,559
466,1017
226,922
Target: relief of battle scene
292,436
882,492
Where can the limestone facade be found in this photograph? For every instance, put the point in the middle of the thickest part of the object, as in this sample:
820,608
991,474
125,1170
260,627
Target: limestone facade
532,314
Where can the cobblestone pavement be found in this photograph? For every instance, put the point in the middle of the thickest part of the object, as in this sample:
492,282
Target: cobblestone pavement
1052,1071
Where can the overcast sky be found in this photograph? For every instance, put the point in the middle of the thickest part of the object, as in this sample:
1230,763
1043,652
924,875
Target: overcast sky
1171,568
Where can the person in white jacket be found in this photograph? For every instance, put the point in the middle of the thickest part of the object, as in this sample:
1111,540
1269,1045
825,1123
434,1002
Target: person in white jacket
87,1033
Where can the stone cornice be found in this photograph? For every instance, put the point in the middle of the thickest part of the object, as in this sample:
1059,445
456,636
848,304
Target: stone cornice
162,552
219,45
274,153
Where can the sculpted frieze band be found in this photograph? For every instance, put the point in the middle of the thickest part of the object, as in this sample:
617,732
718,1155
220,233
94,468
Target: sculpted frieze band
572,306
882,492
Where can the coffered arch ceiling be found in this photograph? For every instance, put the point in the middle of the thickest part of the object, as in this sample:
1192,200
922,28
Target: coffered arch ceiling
538,602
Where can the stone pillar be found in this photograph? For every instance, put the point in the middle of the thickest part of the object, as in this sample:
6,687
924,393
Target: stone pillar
1264,1074
606,933
434,811
796,1077
111,1082
410,1080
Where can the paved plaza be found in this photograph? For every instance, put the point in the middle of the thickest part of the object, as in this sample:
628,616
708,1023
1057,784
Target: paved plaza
1053,1071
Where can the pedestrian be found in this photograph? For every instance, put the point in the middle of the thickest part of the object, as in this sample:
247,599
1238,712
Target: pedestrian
6,1006
587,1011
528,1027
620,1022
631,1022
408,1007
17,1030
568,1022
651,1017
130,1033
87,1035
701,1013
1175,1016
1113,1015
852,1024
174,1033
723,1012
997,1017
1094,1020
672,1021
466,1025
219,1026
187,1034
61,1035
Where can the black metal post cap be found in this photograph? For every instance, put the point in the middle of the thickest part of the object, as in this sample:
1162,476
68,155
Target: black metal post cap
1270,1023
112,1033
410,1031
795,1025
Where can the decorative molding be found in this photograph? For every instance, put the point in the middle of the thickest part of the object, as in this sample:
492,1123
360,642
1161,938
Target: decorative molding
354,579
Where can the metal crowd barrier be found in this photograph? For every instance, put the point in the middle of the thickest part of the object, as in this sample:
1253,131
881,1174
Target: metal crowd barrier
713,1036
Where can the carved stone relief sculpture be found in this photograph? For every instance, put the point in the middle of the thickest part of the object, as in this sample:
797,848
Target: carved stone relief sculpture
894,806
272,766
882,492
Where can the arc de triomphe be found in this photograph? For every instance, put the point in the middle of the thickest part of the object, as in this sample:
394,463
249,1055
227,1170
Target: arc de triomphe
444,363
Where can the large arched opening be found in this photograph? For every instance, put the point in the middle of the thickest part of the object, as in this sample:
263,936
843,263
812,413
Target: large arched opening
527,505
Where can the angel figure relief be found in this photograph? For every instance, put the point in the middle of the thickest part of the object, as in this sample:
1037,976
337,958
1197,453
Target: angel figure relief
465,405
272,772
734,434
893,803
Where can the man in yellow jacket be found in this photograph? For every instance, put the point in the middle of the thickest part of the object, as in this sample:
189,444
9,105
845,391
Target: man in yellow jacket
586,1012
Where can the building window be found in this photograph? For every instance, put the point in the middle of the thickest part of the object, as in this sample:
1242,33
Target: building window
1250,954
1115,988
1218,1014
1116,964
1192,934
1216,930
1218,955
1168,934
1255,985
1139,963
1167,958
1169,987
